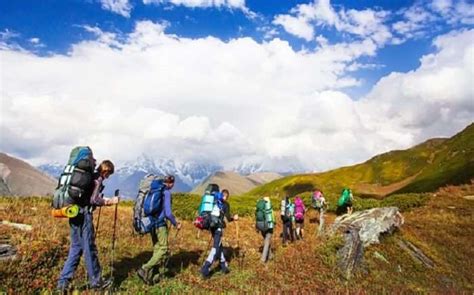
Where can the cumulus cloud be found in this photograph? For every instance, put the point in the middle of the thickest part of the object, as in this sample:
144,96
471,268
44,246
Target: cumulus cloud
225,101
122,7
434,100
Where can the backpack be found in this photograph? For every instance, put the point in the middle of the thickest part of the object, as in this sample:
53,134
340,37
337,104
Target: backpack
345,197
290,211
210,209
264,219
299,209
316,200
148,204
76,179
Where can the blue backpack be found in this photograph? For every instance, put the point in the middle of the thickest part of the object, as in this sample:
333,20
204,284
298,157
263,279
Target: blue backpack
210,209
149,203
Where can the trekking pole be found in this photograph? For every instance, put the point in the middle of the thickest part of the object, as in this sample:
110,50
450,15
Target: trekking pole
207,250
171,242
97,225
113,238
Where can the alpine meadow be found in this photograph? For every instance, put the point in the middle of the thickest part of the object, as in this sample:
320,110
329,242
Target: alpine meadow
236,147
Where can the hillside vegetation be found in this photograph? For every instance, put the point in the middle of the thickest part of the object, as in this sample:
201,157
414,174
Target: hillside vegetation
441,226
423,168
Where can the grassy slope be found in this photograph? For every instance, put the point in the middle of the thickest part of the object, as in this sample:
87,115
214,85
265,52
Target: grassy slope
442,228
424,167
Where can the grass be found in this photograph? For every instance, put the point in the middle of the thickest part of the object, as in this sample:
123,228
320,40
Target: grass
440,225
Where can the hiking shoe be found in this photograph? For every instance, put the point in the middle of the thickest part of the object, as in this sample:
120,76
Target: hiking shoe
224,268
205,271
102,284
62,289
143,275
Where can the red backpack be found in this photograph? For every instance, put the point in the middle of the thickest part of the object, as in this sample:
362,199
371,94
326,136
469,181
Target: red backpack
299,209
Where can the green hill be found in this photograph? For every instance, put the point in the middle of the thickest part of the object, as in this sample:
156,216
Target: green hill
422,168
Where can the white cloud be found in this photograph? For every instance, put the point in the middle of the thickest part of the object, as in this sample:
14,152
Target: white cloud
304,18
122,7
434,100
169,96
299,27
231,4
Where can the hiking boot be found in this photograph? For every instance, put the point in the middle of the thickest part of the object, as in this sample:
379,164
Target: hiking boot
224,268
143,275
102,284
62,288
205,270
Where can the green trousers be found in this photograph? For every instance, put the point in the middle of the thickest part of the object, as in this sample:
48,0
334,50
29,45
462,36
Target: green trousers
157,263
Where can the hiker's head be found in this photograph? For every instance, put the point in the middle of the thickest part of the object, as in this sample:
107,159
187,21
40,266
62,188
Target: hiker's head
225,194
106,168
169,181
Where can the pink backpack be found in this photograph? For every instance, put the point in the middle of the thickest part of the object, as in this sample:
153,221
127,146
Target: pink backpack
299,209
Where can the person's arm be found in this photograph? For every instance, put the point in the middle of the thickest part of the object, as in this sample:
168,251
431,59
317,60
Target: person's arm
227,214
168,214
97,197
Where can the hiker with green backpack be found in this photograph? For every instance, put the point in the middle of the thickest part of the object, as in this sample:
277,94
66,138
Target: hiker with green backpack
287,218
79,185
265,223
344,204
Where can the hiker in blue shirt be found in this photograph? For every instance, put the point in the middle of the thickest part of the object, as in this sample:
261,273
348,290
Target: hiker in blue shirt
217,252
159,236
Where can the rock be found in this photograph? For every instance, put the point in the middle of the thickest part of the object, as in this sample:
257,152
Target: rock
352,254
371,223
360,230
416,253
470,198
7,252
20,226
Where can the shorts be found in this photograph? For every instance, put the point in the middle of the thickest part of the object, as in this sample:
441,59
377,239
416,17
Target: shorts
300,222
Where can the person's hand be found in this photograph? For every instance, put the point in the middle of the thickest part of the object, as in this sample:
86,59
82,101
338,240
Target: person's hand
178,225
111,201
236,217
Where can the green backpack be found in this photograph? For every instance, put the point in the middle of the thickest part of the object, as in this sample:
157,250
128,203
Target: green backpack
345,197
264,216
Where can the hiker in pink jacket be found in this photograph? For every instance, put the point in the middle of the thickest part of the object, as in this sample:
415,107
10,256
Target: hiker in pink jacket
300,210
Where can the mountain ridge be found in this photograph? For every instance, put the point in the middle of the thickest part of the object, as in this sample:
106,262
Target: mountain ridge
422,168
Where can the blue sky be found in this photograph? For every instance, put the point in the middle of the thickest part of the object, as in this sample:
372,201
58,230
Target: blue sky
343,49
58,25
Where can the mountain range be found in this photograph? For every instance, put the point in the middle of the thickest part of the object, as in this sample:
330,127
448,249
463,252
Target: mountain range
422,168
188,175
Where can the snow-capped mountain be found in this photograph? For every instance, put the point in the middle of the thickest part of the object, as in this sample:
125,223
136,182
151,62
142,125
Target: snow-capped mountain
54,169
188,174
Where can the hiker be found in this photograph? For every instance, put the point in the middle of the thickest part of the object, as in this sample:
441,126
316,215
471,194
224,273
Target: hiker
300,211
265,223
319,203
217,251
159,237
287,220
82,232
344,204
